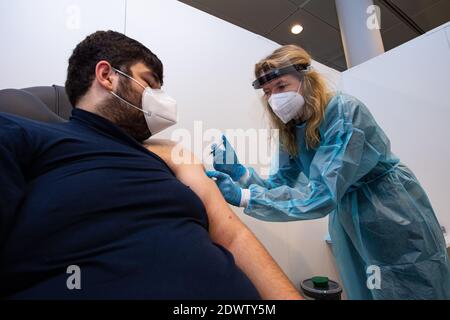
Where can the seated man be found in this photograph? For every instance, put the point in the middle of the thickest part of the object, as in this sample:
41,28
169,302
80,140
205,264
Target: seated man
135,223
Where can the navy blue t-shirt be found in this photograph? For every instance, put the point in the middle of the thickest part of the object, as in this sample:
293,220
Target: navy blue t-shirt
85,193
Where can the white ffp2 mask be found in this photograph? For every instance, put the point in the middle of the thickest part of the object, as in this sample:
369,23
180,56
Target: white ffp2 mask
287,105
160,110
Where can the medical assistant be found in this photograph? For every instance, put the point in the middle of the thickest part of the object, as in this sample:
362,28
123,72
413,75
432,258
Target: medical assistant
379,215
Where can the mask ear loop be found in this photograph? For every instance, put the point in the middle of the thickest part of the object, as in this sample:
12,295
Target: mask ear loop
132,105
129,77
122,99
129,103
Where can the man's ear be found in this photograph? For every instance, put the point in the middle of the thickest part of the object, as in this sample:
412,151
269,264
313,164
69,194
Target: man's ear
104,74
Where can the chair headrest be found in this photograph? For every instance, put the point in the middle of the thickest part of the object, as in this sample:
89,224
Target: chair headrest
55,98
47,104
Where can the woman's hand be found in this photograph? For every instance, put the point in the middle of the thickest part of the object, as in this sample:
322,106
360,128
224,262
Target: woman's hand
230,191
226,161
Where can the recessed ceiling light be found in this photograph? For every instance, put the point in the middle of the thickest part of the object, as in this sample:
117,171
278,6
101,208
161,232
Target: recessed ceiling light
297,29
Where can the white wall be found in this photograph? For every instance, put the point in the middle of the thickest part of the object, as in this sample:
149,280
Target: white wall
208,68
37,37
408,91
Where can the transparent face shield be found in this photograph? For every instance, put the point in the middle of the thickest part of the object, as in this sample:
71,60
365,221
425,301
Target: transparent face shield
278,72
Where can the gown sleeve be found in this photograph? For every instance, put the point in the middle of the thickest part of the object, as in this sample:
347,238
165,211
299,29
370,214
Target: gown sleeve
351,146
285,171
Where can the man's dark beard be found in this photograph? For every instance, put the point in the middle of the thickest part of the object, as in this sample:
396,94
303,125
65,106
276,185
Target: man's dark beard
129,119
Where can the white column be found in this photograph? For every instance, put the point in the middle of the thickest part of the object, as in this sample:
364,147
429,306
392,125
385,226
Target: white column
359,22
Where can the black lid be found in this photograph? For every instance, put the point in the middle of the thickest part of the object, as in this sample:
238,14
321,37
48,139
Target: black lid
321,288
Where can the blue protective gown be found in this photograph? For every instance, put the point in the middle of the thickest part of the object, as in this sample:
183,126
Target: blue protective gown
379,215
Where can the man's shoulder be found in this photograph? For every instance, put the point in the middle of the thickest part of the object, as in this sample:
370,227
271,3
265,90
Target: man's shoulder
173,153
17,129
11,124
12,119
9,121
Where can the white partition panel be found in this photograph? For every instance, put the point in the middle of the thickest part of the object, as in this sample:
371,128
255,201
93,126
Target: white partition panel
408,91
37,37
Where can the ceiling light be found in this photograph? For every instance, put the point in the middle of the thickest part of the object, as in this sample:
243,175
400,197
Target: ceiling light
297,29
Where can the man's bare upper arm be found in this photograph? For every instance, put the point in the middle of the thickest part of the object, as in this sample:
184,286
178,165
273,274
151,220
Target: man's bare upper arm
190,171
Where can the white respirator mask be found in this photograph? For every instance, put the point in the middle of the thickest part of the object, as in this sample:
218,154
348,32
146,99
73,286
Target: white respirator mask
160,110
287,105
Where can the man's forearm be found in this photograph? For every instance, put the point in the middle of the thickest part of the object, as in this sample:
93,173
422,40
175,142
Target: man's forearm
255,261
250,255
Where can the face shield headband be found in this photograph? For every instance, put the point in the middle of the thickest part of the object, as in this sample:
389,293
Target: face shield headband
276,73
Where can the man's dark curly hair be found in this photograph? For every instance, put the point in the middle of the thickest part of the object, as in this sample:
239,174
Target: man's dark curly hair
119,50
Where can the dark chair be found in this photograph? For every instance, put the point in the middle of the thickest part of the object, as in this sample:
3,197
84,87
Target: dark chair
47,104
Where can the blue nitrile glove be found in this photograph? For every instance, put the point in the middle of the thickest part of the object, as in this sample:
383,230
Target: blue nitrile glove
225,160
230,190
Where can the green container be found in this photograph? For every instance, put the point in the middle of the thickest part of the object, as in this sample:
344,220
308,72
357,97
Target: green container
321,288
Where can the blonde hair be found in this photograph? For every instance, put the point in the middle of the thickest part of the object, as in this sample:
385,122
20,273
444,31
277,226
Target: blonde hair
314,91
